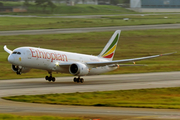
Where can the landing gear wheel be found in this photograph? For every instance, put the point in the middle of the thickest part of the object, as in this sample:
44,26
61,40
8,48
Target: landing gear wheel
81,80
53,79
18,72
75,79
47,78
18,69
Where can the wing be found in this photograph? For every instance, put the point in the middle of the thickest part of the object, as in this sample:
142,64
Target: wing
67,64
98,64
7,50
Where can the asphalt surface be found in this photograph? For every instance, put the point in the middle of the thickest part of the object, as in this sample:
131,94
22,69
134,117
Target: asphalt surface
92,83
91,29
86,16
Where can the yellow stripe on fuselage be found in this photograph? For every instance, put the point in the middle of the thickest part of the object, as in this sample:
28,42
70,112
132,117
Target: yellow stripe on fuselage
110,51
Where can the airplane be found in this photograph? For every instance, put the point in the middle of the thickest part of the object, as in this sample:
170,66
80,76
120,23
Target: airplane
25,58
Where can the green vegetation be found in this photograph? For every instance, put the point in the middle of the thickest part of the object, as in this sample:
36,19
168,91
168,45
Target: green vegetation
26,23
144,98
132,44
78,9
17,117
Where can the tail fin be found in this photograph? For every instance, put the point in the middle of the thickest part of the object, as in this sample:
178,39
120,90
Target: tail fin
110,48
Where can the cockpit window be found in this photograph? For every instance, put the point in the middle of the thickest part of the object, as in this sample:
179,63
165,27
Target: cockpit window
16,53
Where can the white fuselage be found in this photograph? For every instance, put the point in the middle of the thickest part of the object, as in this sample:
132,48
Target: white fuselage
38,58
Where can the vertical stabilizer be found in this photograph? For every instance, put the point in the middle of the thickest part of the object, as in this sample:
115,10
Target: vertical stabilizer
110,48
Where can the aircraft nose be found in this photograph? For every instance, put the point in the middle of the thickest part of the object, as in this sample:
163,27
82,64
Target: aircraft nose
10,59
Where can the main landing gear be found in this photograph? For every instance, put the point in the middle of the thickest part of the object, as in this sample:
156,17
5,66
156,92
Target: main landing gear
78,80
50,78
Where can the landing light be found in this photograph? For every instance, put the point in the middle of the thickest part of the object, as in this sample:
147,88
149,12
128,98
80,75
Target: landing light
57,64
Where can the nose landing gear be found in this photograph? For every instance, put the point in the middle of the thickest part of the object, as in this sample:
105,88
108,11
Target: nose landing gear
17,69
18,72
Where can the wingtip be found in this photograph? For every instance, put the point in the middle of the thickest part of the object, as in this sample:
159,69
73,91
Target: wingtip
169,53
174,52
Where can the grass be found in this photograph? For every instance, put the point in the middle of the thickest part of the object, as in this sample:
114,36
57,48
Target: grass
132,44
32,23
161,98
18,117
78,9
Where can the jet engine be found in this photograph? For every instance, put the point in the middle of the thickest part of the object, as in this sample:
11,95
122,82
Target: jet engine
22,69
79,69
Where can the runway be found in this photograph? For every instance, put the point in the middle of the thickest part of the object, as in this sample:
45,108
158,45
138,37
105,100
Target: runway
91,29
92,83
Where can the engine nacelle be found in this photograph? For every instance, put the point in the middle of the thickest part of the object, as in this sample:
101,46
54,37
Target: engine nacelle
23,69
79,69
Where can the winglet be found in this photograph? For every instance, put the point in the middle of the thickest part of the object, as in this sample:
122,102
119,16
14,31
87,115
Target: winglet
7,50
